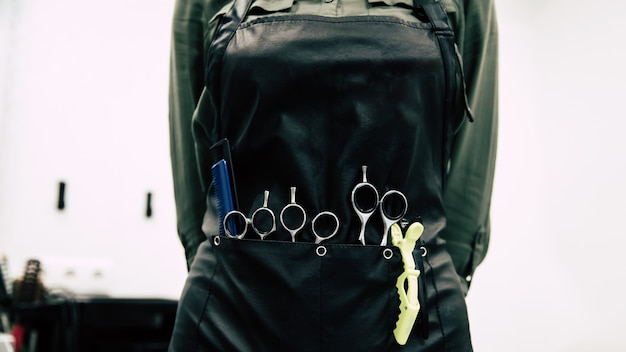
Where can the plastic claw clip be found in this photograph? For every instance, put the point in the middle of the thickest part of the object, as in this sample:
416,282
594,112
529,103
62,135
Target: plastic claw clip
409,302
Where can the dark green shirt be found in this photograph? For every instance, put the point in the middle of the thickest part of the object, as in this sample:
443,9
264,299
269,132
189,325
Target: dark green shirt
468,188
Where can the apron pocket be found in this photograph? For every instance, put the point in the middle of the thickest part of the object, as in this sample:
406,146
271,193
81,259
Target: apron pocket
286,296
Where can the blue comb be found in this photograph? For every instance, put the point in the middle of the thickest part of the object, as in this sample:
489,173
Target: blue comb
223,193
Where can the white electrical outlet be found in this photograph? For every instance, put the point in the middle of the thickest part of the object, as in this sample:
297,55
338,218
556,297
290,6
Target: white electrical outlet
77,275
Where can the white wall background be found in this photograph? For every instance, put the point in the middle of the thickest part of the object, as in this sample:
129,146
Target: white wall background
554,277
83,99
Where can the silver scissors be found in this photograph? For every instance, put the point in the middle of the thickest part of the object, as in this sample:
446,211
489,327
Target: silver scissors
253,220
388,206
319,238
298,208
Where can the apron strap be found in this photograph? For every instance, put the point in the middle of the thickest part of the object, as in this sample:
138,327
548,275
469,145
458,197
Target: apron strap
225,30
435,12
439,19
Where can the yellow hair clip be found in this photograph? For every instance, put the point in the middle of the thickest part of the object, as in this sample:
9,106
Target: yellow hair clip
409,302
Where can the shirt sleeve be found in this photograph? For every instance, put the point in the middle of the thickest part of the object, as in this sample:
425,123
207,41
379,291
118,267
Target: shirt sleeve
185,87
468,189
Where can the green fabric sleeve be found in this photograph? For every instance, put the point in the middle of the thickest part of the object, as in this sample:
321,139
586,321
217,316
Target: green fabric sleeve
185,86
467,195
192,28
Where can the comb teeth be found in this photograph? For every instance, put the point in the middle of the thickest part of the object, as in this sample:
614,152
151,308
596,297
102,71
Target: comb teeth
220,215
223,194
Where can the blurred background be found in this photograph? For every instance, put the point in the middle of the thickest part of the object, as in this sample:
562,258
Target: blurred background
83,113
554,276
83,101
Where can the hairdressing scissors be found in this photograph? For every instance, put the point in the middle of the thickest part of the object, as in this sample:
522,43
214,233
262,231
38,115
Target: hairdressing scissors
291,207
319,238
388,205
254,221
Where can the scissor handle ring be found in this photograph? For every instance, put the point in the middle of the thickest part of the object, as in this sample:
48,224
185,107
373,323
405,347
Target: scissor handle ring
356,206
245,221
405,205
282,217
259,232
319,238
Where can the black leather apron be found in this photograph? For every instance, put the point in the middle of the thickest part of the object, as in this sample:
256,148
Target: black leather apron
306,101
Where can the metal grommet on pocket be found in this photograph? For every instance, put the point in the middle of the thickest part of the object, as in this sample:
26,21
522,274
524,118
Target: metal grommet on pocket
217,240
424,251
320,251
387,253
